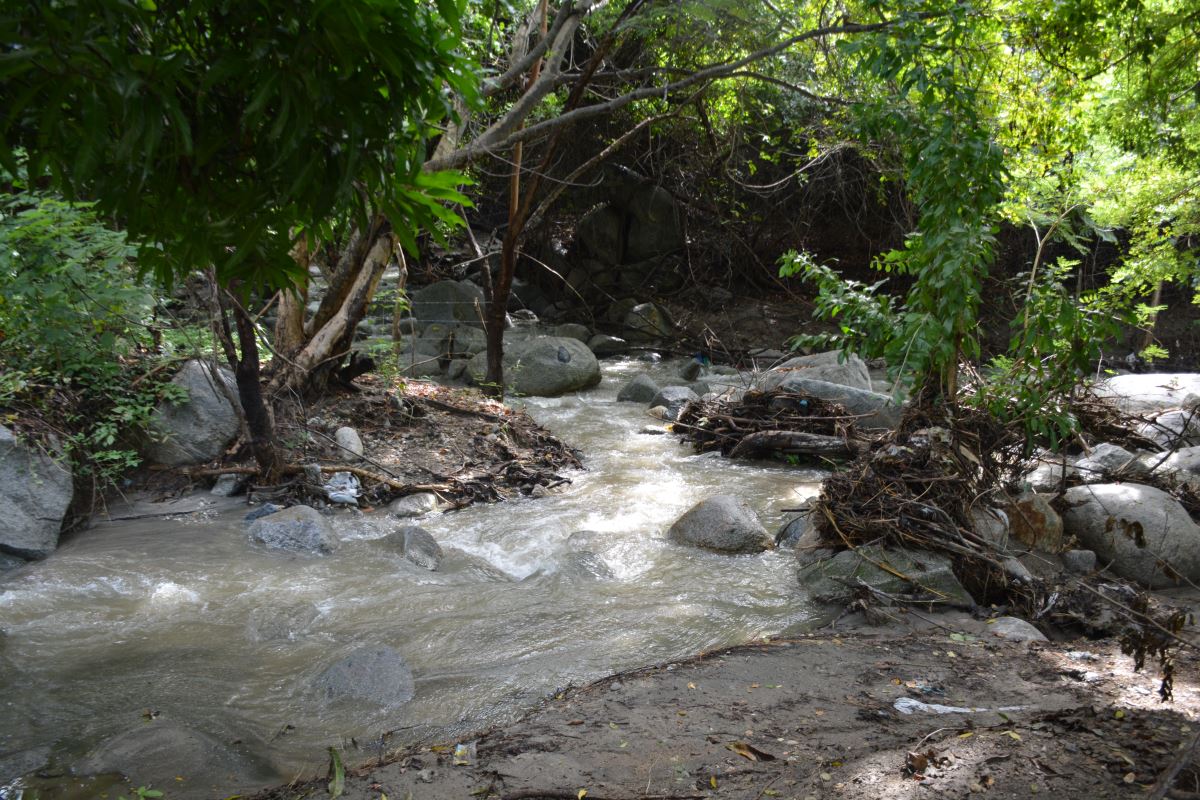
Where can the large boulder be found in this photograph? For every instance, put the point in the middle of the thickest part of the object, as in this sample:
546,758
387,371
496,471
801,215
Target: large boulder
831,367
654,227
642,389
154,753
1150,393
300,529
722,523
1139,532
201,427
35,491
601,234
376,675
543,366
874,410
448,303
926,576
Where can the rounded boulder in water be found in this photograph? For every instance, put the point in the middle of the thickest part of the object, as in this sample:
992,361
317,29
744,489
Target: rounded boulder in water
376,675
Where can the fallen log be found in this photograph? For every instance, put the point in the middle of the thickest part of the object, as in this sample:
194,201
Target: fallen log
756,445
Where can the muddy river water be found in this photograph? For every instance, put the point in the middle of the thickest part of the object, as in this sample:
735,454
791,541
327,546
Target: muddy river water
183,619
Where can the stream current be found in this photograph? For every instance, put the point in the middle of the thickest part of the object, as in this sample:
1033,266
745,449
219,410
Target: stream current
183,618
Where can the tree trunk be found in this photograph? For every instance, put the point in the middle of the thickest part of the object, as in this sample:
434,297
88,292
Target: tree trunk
260,422
330,334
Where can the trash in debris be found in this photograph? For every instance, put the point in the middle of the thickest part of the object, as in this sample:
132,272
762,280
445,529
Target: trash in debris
909,705
342,488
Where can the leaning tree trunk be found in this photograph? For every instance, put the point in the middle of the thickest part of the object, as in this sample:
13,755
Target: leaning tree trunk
329,334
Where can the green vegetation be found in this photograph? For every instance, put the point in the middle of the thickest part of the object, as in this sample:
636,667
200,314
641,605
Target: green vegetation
77,337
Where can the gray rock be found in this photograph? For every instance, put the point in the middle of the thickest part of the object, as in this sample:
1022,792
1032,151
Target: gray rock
35,492
298,529
1150,393
837,577
228,485
10,562
584,565
375,675
415,544
271,624
660,412
603,345
878,410
673,399
1173,429
407,326
572,330
448,303
722,523
646,322
601,234
265,510
828,367
414,505
1049,472
544,366
795,530
153,753
1080,562
1109,459
349,445
654,227
1015,629
200,428
642,389
457,369
1139,532
992,525
1032,521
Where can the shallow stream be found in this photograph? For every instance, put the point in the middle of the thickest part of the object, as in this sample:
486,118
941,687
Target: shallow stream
183,619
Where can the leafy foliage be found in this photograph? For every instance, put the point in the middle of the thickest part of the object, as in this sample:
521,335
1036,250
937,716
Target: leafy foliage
74,330
212,129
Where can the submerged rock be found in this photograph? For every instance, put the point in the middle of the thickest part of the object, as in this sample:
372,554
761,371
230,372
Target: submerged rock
153,753
1139,532
269,624
415,544
35,492
376,675
299,529
722,523
641,389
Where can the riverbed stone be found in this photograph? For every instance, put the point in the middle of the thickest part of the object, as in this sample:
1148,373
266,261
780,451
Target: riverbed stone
153,753
35,493
414,505
377,675
1015,629
416,545
722,523
227,485
299,529
1032,521
1109,460
202,426
836,578
646,322
349,444
831,367
448,303
1173,429
673,399
641,389
876,410
1150,393
604,345
572,330
543,366
10,562
274,624
1139,532
1079,562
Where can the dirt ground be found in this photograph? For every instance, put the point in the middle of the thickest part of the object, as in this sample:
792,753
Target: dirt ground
817,717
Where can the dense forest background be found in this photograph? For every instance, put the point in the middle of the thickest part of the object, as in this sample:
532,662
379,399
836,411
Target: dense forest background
1002,190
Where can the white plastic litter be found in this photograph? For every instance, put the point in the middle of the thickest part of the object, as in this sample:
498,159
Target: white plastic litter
342,488
908,705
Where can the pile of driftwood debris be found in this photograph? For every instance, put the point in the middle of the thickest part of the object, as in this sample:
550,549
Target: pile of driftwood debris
774,423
